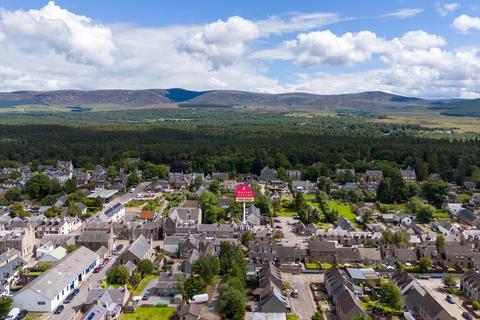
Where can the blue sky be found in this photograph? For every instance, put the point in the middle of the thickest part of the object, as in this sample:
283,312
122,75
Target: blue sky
416,48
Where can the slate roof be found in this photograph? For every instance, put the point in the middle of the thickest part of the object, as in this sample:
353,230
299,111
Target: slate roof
139,247
55,279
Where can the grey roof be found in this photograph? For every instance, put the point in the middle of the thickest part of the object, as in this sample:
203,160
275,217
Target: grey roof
193,309
57,278
95,236
139,247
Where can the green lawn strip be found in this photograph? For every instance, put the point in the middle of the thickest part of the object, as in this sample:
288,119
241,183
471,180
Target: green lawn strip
143,284
150,313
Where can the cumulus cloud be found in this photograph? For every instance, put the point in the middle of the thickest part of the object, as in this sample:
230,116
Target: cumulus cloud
325,48
221,42
445,9
420,39
465,23
78,37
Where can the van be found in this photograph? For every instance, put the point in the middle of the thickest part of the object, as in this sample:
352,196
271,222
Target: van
13,314
199,298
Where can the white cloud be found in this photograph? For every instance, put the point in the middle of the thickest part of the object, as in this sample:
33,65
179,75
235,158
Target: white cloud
78,37
465,23
221,42
445,9
420,39
325,48
404,13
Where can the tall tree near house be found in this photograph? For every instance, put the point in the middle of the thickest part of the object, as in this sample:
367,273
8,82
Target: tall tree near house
5,305
390,295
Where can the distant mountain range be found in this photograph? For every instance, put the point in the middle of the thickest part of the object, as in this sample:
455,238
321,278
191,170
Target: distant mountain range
152,98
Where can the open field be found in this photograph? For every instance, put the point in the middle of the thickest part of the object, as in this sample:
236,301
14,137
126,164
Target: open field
431,119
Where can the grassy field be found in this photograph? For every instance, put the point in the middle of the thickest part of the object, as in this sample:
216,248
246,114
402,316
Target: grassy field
343,210
432,119
150,313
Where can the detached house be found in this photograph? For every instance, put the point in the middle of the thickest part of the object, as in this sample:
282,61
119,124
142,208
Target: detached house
138,250
408,175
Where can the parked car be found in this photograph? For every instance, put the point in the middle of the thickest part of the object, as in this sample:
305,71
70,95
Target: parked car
97,269
13,314
21,315
294,293
68,299
75,292
59,309
451,299
467,315
146,296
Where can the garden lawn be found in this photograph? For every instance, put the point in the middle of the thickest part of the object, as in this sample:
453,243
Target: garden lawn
150,313
463,197
143,284
292,316
285,211
442,215
344,210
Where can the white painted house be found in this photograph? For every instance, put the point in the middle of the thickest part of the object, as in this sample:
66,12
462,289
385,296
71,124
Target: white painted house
47,291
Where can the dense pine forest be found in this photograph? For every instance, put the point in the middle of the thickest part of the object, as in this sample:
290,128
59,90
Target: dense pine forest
242,142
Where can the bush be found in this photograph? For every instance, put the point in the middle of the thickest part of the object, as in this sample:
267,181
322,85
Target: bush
476,305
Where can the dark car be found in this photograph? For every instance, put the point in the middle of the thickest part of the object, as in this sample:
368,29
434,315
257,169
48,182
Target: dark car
59,309
68,299
146,296
467,315
75,292
21,315
119,247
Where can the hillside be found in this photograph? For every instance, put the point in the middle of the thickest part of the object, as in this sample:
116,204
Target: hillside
461,108
133,99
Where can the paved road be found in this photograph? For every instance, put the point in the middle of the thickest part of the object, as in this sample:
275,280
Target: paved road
304,306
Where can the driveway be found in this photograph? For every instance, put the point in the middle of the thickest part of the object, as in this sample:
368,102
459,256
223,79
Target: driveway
435,288
304,306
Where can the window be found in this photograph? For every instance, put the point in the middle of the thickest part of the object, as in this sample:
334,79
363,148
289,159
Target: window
41,303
